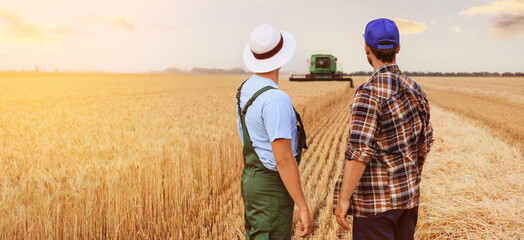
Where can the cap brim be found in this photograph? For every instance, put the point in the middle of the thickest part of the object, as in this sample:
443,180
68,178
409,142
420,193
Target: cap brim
278,60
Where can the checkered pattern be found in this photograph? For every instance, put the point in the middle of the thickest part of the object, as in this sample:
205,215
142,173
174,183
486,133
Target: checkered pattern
391,133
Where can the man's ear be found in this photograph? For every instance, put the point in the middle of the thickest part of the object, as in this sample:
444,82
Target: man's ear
366,48
398,48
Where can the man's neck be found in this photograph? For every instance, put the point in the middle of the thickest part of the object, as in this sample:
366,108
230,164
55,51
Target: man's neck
273,75
377,64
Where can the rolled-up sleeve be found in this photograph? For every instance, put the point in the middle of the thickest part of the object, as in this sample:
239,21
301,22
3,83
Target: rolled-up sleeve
429,137
363,126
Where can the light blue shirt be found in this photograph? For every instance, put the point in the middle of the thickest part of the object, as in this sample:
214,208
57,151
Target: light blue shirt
270,117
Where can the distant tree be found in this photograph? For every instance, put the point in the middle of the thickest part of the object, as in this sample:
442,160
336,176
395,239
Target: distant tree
449,74
173,70
361,73
199,70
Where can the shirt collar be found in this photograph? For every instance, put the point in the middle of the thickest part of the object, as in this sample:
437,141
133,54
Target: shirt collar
267,81
387,68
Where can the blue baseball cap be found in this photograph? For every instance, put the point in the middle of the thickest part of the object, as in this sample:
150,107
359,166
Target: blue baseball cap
379,30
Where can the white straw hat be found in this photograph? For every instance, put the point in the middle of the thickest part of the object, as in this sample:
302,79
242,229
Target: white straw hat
268,49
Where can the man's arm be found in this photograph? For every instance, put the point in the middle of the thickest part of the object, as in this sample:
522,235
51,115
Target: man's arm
278,116
288,170
361,147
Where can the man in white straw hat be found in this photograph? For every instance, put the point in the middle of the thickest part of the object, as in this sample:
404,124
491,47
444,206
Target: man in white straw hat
273,137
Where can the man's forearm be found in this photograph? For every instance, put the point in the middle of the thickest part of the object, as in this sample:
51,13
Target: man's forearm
353,171
289,174
288,170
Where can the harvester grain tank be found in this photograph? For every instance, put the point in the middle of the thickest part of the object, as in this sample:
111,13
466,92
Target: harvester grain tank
322,67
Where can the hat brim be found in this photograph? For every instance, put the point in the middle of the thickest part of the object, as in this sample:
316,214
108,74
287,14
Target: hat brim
278,60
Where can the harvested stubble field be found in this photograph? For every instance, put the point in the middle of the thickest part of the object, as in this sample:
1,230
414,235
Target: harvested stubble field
158,156
495,102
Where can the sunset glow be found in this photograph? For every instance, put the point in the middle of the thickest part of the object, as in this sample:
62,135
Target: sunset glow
144,36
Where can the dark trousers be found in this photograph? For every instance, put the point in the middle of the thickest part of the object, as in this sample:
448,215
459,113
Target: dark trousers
396,224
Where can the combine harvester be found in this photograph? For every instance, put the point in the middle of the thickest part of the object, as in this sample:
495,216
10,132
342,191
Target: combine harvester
322,67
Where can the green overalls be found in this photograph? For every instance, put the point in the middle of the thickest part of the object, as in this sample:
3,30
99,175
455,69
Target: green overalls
268,207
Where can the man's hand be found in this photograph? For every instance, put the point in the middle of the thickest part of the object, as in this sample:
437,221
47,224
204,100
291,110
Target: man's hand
353,171
305,222
341,211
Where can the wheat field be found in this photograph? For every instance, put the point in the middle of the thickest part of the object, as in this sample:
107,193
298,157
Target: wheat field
105,156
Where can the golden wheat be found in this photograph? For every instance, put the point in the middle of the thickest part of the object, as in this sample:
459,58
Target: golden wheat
159,156
122,155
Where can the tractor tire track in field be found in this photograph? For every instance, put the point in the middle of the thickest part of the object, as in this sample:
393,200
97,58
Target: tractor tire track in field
323,161
323,133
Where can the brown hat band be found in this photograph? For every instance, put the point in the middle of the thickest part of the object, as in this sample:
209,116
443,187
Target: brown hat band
270,53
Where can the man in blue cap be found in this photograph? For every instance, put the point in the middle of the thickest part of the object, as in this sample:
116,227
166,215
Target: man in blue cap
389,139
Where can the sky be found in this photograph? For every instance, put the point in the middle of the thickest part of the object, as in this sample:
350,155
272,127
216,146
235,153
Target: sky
135,36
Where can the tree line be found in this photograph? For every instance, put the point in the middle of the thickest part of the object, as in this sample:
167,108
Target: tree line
200,70
449,74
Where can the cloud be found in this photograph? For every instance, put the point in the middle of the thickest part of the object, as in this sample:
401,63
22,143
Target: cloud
457,29
512,7
509,19
16,29
410,27
115,21
509,24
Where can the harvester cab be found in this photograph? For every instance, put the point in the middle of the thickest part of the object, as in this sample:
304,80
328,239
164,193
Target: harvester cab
322,67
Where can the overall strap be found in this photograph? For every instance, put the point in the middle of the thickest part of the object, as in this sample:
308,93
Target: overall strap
299,119
243,111
252,99
251,159
302,135
238,97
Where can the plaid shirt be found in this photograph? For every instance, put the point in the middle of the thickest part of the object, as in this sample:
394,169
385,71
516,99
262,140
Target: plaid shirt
391,133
